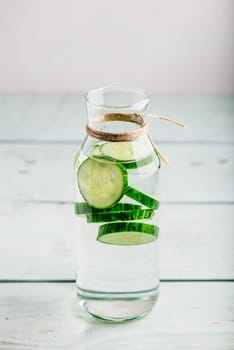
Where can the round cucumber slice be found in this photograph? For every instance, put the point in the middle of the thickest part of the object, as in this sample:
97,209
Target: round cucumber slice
102,183
96,150
120,216
132,154
84,208
127,233
142,198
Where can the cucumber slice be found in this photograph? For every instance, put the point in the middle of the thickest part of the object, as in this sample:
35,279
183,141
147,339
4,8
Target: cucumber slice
120,216
142,198
85,208
124,151
96,150
132,154
102,183
127,233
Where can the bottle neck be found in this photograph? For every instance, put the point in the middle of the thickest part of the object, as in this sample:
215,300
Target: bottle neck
117,127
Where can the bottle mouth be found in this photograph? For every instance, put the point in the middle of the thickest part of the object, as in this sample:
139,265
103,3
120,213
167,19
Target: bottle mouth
117,97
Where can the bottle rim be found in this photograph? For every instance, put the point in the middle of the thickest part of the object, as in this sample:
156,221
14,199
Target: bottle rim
143,96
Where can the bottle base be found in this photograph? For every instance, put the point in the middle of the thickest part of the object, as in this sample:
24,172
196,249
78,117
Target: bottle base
117,307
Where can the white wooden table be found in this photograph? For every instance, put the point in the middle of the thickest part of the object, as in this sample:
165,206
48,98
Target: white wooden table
39,136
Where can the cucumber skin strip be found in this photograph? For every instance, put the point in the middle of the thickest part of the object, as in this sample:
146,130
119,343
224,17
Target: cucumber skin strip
128,227
83,208
127,215
142,198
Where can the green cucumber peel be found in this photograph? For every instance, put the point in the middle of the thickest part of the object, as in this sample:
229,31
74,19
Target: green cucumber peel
83,208
127,215
127,233
143,198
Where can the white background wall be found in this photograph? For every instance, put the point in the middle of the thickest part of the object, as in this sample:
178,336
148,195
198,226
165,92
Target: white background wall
164,46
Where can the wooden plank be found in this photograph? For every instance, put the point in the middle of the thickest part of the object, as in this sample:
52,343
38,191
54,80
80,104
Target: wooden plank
58,117
188,316
38,241
208,118
201,173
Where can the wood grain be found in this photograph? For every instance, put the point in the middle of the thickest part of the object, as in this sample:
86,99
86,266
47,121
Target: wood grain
39,136
198,173
47,316
56,117
38,241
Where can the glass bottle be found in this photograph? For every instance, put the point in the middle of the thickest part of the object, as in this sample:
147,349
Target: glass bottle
116,175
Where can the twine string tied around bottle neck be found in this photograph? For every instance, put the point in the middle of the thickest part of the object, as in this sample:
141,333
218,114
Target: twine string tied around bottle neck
137,118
